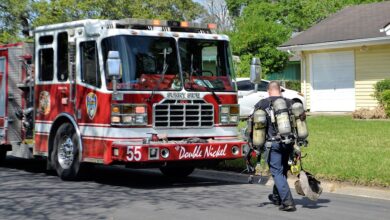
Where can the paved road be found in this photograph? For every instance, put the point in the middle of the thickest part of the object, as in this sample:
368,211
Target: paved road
28,192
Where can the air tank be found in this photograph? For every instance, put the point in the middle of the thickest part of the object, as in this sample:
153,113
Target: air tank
297,110
259,127
282,117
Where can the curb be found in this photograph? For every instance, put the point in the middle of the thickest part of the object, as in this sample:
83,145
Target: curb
328,186
346,189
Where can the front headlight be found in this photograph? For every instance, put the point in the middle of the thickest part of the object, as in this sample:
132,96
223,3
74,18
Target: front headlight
234,119
129,114
224,119
115,119
127,119
229,114
225,109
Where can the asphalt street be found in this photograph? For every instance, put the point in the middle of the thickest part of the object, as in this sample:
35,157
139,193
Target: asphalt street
27,191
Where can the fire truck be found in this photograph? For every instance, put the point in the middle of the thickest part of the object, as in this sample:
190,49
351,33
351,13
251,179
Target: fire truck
140,93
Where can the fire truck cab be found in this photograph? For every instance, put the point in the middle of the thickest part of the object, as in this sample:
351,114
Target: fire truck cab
144,93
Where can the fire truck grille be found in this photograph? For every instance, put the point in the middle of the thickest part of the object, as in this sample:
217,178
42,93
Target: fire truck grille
180,115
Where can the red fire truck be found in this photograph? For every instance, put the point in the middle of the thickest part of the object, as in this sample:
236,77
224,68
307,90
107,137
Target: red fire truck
143,93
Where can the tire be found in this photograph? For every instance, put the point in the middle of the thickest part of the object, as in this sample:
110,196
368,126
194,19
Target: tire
296,100
3,155
65,153
177,171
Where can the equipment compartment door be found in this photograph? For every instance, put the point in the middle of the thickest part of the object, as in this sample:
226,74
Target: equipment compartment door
2,97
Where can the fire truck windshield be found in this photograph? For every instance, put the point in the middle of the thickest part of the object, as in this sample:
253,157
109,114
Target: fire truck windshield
151,63
206,65
147,63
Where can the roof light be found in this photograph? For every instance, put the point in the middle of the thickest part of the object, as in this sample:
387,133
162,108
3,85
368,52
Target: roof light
156,22
184,24
212,26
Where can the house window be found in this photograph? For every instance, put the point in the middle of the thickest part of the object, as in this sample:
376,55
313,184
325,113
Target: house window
90,72
46,67
62,56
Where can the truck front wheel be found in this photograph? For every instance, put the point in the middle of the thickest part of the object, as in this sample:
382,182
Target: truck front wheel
65,154
177,171
3,154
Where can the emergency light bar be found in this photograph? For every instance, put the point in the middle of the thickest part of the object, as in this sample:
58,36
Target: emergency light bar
183,26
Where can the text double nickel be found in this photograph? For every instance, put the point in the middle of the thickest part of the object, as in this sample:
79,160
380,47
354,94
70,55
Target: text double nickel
209,152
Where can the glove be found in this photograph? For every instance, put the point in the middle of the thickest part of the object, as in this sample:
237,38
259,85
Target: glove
302,116
297,152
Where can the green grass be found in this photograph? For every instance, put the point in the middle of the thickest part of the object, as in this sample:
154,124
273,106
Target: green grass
343,149
349,150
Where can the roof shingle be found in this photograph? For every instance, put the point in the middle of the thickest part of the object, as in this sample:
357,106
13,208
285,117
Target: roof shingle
354,22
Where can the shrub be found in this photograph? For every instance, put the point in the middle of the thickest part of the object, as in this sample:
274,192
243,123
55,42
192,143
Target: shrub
293,85
379,87
365,113
385,99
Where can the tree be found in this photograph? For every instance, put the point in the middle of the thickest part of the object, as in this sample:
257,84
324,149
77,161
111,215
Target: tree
257,34
18,16
218,13
235,6
56,11
266,24
14,19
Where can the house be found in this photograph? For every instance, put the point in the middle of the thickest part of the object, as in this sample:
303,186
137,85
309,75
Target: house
343,56
292,71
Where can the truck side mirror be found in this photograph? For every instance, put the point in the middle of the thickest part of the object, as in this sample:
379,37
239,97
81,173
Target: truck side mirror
113,64
255,76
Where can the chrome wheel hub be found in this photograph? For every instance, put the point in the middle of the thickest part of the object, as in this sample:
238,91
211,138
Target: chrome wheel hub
65,153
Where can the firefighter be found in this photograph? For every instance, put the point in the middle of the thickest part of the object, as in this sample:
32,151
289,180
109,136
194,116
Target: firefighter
278,141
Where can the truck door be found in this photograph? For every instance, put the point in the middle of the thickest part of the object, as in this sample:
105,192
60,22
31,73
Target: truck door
63,98
90,82
89,98
2,97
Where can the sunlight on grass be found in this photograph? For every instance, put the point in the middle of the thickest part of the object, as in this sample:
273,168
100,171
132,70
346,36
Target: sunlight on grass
345,149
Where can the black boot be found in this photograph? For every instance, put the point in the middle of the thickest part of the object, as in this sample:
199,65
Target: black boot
274,199
287,208
288,205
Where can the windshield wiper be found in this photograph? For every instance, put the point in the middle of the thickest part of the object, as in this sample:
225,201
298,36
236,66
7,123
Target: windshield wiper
191,70
208,88
212,92
164,70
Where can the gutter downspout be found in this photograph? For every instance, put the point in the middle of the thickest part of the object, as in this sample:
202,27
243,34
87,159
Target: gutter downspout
303,63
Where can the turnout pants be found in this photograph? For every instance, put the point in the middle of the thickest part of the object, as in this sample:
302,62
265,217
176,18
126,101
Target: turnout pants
278,163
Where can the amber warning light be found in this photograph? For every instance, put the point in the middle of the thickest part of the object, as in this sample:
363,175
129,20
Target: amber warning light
212,26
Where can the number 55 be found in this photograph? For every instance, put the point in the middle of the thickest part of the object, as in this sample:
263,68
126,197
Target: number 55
133,153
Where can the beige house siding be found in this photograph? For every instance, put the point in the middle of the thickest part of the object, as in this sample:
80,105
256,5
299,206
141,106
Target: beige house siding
372,63
305,67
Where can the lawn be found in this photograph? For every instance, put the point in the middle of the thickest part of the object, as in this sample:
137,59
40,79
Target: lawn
350,150
341,148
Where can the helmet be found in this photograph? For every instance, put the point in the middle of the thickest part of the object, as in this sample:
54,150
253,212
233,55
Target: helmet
308,186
